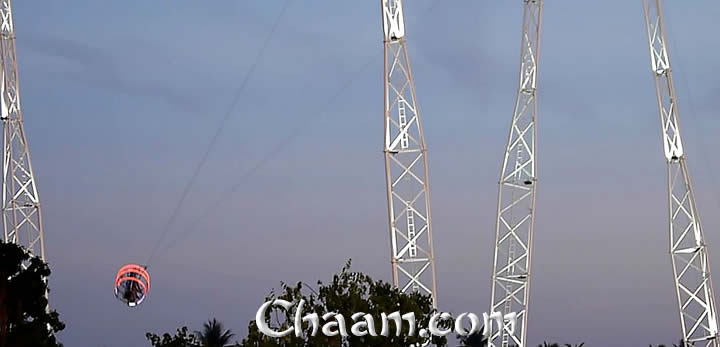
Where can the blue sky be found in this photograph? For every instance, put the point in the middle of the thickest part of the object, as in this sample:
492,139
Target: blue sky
120,100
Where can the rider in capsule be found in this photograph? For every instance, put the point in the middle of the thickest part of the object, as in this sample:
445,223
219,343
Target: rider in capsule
133,292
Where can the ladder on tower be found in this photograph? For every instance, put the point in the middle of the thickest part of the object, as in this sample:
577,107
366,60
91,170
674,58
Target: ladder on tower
402,118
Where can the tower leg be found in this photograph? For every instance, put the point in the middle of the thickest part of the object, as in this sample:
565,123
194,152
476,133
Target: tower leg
516,195
21,215
688,252
406,172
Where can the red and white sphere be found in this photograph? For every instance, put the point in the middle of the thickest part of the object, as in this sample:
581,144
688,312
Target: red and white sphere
132,284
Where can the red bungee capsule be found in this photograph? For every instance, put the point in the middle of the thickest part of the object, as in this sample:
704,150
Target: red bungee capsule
132,284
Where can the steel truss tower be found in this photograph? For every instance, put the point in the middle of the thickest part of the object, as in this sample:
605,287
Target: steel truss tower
21,217
516,194
413,263
691,269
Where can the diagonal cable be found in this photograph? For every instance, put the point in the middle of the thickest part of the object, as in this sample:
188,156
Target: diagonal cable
295,133
260,164
218,132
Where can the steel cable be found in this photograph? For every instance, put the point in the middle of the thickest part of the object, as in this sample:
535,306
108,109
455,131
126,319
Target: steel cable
218,132
295,133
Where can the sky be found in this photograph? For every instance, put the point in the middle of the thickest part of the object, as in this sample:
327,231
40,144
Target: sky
121,99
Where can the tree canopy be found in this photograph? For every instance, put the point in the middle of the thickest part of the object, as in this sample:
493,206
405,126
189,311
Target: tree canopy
214,334
348,293
476,339
25,319
181,339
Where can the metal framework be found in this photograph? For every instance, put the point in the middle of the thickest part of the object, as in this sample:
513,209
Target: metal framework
21,217
413,263
691,269
516,195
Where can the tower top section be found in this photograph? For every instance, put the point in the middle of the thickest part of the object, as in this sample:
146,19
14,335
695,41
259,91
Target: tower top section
6,20
393,20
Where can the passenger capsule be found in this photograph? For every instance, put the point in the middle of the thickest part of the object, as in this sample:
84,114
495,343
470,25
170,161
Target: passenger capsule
132,284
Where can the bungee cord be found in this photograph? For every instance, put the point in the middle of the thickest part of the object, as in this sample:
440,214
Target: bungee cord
218,132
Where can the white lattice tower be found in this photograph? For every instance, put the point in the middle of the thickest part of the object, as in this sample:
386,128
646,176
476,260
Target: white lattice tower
21,217
691,269
516,195
413,263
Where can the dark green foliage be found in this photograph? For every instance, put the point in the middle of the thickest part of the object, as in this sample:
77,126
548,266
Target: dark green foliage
347,293
214,334
679,344
24,318
181,339
476,339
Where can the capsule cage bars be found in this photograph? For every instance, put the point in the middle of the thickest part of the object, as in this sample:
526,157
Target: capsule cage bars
132,284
